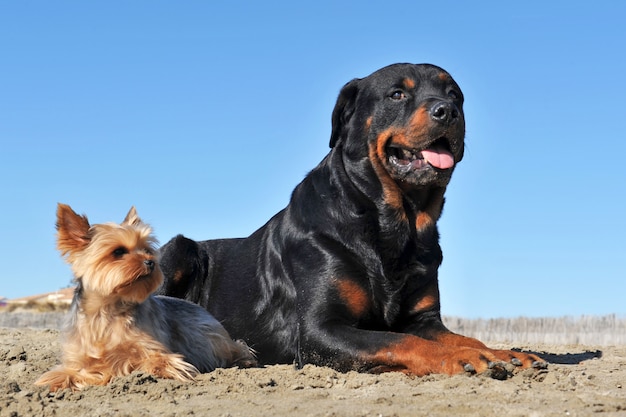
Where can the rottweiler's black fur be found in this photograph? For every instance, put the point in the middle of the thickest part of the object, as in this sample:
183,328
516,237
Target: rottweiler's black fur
346,274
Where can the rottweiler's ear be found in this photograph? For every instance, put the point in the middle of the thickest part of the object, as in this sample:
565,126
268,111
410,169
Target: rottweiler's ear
344,109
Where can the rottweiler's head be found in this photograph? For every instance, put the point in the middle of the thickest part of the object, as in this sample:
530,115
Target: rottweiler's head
405,120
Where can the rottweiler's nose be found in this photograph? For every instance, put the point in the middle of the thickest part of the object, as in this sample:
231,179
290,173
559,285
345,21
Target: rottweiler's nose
444,112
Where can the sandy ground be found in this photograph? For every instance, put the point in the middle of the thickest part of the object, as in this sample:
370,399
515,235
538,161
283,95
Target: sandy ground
580,381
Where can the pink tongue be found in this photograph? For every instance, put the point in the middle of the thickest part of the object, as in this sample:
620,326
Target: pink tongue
438,157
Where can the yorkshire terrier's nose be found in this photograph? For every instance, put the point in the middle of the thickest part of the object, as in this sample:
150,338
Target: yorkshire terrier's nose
149,263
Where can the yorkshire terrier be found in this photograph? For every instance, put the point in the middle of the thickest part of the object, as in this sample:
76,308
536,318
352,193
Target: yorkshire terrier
116,326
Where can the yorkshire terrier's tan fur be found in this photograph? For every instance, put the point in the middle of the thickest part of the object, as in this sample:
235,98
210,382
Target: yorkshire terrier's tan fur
116,326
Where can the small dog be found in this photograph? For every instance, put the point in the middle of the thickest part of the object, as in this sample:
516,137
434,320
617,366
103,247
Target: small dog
116,326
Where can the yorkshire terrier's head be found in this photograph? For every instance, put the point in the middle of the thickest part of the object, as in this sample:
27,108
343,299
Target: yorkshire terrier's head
115,261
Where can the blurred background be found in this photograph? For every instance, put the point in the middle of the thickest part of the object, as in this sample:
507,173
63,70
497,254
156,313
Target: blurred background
205,115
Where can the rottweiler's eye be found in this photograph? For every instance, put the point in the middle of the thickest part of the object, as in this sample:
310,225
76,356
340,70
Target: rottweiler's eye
119,252
397,95
454,95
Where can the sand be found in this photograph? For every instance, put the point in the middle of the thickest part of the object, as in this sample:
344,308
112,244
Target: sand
580,381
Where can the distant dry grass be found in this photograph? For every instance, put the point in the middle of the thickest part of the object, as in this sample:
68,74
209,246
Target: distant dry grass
36,306
38,320
584,330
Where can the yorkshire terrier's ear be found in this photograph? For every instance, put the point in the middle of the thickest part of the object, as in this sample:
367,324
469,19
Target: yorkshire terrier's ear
132,219
72,230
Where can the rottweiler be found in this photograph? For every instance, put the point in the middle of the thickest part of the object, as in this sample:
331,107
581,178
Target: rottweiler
346,275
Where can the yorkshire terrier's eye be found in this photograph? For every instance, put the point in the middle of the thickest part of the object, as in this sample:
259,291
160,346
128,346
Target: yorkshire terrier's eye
119,252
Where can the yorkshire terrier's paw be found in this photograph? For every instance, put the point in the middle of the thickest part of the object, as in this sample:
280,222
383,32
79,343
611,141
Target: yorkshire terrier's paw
56,380
245,356
63,378
172,366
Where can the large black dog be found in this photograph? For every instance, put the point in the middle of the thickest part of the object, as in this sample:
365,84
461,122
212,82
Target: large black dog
346,275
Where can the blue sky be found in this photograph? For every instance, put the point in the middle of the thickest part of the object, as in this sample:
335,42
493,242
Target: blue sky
205,115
